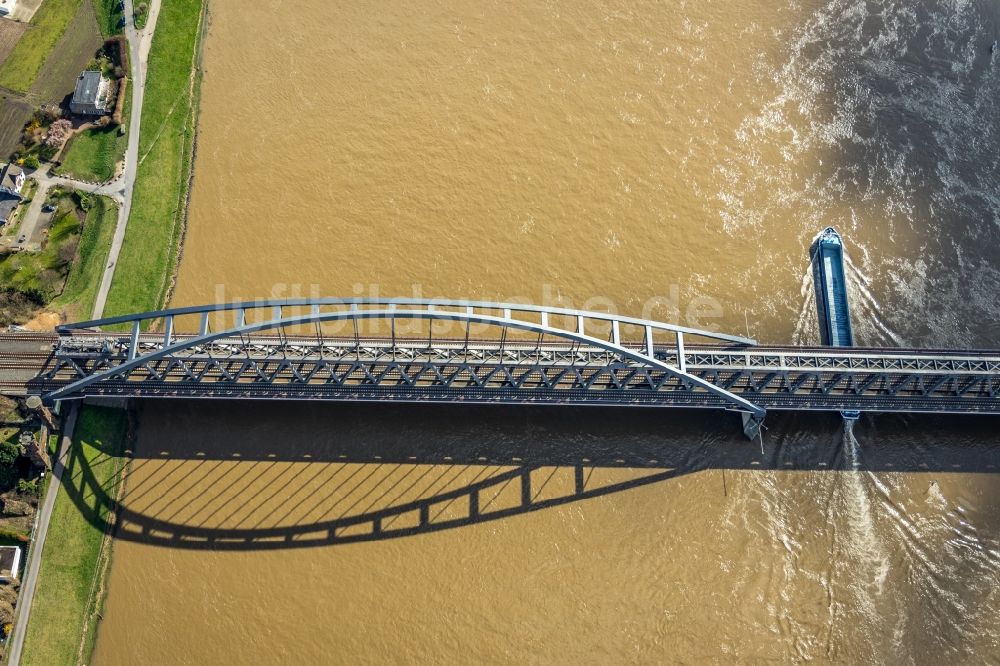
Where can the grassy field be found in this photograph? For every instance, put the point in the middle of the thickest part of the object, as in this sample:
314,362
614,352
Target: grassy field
78,295
48,25
14,113
66,595
70,54
10,34
149,253
109,16
92,154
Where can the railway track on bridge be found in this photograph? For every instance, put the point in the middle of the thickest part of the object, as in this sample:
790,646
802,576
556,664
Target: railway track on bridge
533,355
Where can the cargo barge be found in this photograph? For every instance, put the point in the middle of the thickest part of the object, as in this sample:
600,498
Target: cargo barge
830,281
831,289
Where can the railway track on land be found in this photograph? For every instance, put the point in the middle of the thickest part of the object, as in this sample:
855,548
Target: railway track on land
11,365
29,336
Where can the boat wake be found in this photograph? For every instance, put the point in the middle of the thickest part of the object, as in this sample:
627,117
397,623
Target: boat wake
806,325
864,544
869,319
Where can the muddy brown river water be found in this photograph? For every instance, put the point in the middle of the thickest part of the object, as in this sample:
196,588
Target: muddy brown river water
670,160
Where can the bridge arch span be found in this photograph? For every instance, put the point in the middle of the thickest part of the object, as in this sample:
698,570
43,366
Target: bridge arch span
505,316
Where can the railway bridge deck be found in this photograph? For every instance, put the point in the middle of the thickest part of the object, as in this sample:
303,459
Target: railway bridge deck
478,352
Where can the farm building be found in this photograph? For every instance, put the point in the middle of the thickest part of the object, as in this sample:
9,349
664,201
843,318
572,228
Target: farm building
11,179
7,6
91,95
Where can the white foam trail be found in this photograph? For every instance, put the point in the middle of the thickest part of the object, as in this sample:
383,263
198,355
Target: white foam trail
860,274
872,311
864,540
806,325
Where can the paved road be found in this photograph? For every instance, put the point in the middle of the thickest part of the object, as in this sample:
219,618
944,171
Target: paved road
139,43
33,216
29,223
28,583
113,189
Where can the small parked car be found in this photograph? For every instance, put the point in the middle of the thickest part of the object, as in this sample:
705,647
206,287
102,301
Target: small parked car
48,208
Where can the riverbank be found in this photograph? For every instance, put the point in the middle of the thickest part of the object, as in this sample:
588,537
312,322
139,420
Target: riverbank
151,249
76,553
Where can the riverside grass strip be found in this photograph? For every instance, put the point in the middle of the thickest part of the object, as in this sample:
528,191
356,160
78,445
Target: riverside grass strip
84,278
65,597
150,250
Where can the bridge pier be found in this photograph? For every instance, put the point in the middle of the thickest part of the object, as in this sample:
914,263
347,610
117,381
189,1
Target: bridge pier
751,425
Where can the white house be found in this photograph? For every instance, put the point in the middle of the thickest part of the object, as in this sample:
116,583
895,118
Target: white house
91,96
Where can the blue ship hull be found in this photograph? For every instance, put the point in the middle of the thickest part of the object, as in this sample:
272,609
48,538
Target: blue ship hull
830,282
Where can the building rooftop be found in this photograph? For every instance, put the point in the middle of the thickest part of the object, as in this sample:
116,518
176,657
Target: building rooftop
10,174
10,558
88,87
7,206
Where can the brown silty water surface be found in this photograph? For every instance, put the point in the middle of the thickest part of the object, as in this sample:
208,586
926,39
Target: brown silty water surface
642,155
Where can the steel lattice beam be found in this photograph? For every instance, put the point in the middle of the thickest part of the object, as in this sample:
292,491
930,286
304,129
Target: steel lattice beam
253,356
513,317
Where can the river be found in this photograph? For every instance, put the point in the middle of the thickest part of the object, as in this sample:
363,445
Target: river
665,160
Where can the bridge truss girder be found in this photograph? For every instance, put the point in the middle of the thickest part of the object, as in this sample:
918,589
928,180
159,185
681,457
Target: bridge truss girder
524,373
203,363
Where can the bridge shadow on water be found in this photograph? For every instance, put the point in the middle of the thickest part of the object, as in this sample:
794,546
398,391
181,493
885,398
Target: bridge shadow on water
242,475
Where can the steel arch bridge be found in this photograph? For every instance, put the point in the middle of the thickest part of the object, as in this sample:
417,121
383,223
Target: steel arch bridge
257,348
420,350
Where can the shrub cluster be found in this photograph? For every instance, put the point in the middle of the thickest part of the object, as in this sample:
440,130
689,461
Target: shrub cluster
58,132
